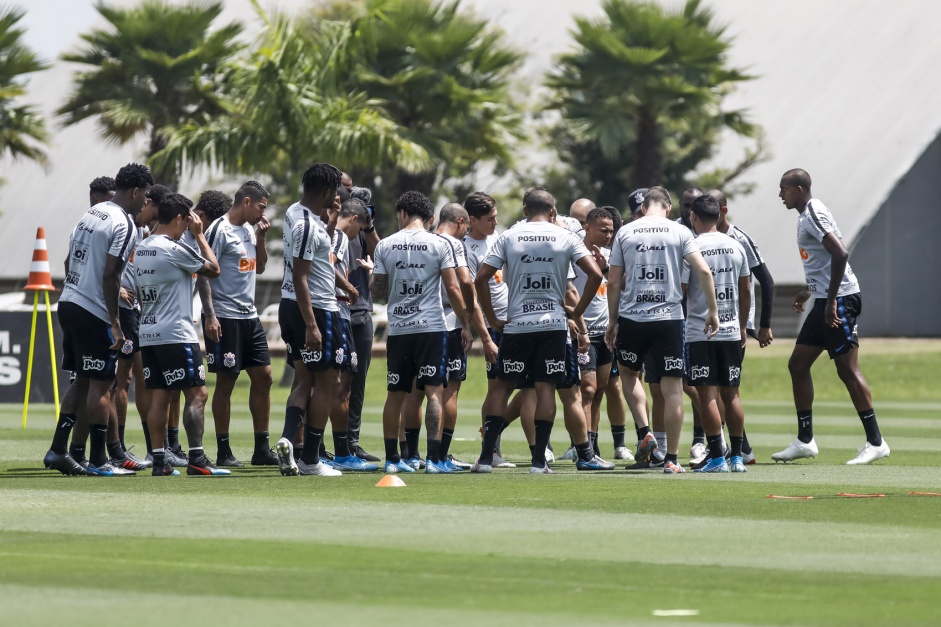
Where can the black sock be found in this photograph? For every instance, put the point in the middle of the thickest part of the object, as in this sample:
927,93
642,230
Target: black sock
323,449
593,438
313,438
642,432
699,435
77,452
392,453
737,444
261,442
411,438
543,434
805,426
298,451
116,451
293,419
98,453
196,454
434,450
60,439
714,442
403,449
669,457
746,447
446,436
585,452
222,441
493,427
121,437
159,458
868,418
618,432
341,443
532,449
150,448
173,436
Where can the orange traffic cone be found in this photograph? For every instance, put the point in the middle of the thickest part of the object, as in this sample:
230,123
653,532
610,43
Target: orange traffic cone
390,481
40,274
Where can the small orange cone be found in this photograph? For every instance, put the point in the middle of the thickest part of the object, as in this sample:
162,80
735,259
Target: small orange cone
390,481
40,274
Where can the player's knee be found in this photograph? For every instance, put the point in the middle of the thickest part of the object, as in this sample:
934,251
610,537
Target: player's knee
796,366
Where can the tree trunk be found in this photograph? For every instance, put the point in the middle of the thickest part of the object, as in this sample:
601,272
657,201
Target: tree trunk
648,168
169,174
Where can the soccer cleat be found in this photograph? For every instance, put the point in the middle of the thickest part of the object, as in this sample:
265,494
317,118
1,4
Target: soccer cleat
353,463
228,460
176,459
796,450
285,452
672,468
392,468
657,458
454,467
63,463
363,455
417,463
550,456
436,468
320,469
129,464
697,453
265,457
203,467
454,461
570,455
596,463
749,458
535,470
645,447
485,469
499,462
108,470
622,452
145,463
715,464
869,453
166,471
737,464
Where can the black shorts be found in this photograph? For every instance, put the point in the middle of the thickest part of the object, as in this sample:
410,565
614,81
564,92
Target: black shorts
598,354
173,366
538,357
457,358
659,344
493,369
714,364
840,340
419,356
86,343
130,326
243,345
352,362
572,372
334,352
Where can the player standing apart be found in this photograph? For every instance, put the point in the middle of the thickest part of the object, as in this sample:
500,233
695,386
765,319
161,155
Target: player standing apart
830,325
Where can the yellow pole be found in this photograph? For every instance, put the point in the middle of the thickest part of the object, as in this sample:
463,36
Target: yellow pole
32,344
52,354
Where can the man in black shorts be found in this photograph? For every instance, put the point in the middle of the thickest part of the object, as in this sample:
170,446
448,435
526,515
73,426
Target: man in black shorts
830,325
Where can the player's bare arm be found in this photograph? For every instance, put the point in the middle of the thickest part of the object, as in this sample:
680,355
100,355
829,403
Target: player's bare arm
111,284
744,305
379,286
313,340
839,257
261,247
213,328
592,283
482,283
344,284
210,267
615,285
799,300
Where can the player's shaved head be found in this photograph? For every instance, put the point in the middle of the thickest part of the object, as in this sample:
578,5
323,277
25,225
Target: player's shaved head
580,209
452,213
538,200
719,196
797,177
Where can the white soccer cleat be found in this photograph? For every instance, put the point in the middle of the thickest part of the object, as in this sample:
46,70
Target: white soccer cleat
550,456
622,452
697,453
796,450
499,462
319,469
479,468
570,454
870,453
545,470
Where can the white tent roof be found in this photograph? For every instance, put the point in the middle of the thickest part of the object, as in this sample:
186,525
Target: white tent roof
846,91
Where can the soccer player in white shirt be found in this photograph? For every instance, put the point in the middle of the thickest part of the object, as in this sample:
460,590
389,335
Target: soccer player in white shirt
830,325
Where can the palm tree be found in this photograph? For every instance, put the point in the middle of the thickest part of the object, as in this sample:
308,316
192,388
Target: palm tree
645,88
155,66
22,128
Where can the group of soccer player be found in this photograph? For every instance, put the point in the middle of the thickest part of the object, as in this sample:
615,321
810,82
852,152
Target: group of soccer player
584,306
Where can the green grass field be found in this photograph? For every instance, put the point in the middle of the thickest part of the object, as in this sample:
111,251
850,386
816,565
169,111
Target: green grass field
506,549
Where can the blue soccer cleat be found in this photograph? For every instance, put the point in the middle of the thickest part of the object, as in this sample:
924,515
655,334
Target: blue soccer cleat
716,464
354,464
397,467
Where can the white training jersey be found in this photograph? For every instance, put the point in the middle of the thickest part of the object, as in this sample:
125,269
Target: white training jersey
105,230
233,291
538,257
128,277
813,224
164,269
728,262
651,251
413,260
341,261
451,320
596,316
476,250
754,260
571,224
309,241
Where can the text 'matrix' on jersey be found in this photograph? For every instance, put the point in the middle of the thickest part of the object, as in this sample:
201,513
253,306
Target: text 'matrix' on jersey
812,226
651,251
233,291
476,250
538,257
412,259
164,270
728,262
